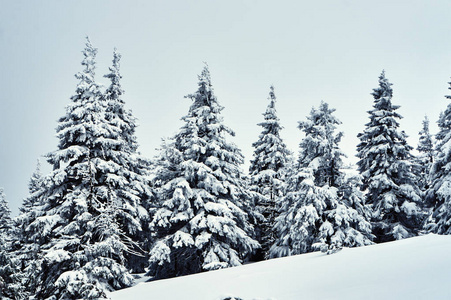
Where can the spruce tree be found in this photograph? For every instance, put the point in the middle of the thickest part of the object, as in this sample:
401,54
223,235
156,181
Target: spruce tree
319,149
36,179
386,166
426,155
321,210
201,223
10,277
5,214
82,230
267,172
439,195
127,171
27,246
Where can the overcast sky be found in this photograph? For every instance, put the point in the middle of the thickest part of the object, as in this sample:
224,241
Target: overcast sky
309,50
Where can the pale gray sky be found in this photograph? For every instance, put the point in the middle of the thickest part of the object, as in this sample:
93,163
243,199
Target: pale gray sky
310,50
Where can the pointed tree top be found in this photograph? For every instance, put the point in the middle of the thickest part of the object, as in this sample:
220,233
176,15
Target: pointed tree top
205,77
36,178
5,219
204,96
114,74
425,123
271,98
89,48
38,166
116,58
88,61
271,92
324,106
384,89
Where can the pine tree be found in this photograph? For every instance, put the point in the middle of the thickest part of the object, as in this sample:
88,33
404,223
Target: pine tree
426,155
5,214
10,279
321,210
201,222
127,171
81,233
438,194
27,247
319,149
36,179
387,170
267,171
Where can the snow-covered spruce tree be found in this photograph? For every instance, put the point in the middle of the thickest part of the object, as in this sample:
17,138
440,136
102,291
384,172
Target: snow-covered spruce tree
319,149
127,171
426,156
439,193
267,172
30,205
321,210
26,246
5,214
35,183
82,231
201,222
386,166
10,277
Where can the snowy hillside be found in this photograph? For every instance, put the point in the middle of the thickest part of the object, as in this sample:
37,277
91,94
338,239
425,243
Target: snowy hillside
415,268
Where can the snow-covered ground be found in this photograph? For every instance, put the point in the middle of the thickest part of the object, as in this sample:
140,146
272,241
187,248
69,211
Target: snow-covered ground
415,268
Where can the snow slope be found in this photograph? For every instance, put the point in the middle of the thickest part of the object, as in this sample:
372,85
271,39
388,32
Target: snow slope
415,268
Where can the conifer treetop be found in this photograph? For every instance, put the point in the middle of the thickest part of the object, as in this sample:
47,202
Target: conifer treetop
271,123
319,149
384,90
426,144
36,178
115,90
270,151
122,119
204,95
88,62
5,214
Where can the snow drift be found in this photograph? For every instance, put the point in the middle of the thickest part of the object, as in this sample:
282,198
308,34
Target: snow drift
415,268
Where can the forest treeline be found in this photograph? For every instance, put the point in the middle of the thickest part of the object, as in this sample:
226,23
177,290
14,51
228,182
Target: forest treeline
106,213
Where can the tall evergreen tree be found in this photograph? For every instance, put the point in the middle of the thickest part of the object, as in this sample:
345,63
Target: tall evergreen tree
439,193
426,155
82,231
5,214
387,170
201,222
127,171
10,279
267,171
27,247
321,210
36,179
